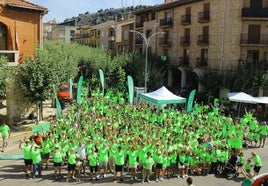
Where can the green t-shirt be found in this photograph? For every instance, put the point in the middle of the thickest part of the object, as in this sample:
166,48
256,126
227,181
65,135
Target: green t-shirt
5,130
132,157
72,158
148,162
36,155
103,154
257,161
120,157
27,154
93,159
58,156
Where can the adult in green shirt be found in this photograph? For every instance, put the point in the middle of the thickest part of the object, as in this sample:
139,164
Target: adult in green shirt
263,133
119,162
57,160
132,161
148,162
93,164
257,163
27,155
5,131
71,163
37,160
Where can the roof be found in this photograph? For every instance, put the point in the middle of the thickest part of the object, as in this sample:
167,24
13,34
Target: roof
23,4
164,6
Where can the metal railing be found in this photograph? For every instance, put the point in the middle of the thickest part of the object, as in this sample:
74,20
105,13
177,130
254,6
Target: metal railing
185,41
261,40
186,19
166,22
204,16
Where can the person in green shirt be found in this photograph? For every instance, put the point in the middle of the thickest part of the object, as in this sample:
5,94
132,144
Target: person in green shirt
71,163
263,134
57,160
103,151
257,163
27,155
148,162
119,162
93,164
37,160
5,131
132,162
46,149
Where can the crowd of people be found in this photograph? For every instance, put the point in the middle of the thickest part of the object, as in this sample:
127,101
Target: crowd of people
103,135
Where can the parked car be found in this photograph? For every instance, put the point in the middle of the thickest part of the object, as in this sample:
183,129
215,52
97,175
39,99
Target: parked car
64,94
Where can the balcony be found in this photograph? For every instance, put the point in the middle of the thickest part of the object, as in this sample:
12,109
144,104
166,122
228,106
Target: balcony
185,41
165,42
255,13
184,61
167,22
204,17
12,56
262,40
203,40
139,24
201,62
185,19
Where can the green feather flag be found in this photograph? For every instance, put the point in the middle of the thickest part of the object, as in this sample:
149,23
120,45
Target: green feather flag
79,90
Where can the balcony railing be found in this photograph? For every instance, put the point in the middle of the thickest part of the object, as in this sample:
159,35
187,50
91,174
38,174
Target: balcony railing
203,40
12,56
165,41
246,40
184,61
255,13
186,19
167,22
204,17
201,62
185,41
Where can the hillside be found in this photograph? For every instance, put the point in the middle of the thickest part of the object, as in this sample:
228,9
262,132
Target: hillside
102,16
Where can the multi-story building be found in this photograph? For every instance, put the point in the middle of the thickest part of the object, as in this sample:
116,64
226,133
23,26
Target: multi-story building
199,34
63,33
111,35
47,29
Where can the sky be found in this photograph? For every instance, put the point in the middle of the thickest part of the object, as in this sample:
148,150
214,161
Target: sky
63,9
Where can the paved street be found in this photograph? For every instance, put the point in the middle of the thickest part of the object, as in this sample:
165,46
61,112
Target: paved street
11,171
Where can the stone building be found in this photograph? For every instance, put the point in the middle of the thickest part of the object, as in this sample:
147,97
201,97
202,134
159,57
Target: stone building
199,34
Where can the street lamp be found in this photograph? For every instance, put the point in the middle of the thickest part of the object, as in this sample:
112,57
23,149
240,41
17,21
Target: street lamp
146,42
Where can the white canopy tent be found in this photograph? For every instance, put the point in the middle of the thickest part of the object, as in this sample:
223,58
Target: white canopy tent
241,97
162,96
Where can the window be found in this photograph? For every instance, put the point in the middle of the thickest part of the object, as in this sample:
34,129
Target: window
255,3
3,37
125,35
254,34
153,16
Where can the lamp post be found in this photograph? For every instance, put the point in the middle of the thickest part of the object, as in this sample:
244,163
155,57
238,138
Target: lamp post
146,42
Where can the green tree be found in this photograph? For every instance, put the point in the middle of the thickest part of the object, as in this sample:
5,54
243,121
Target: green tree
210,79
